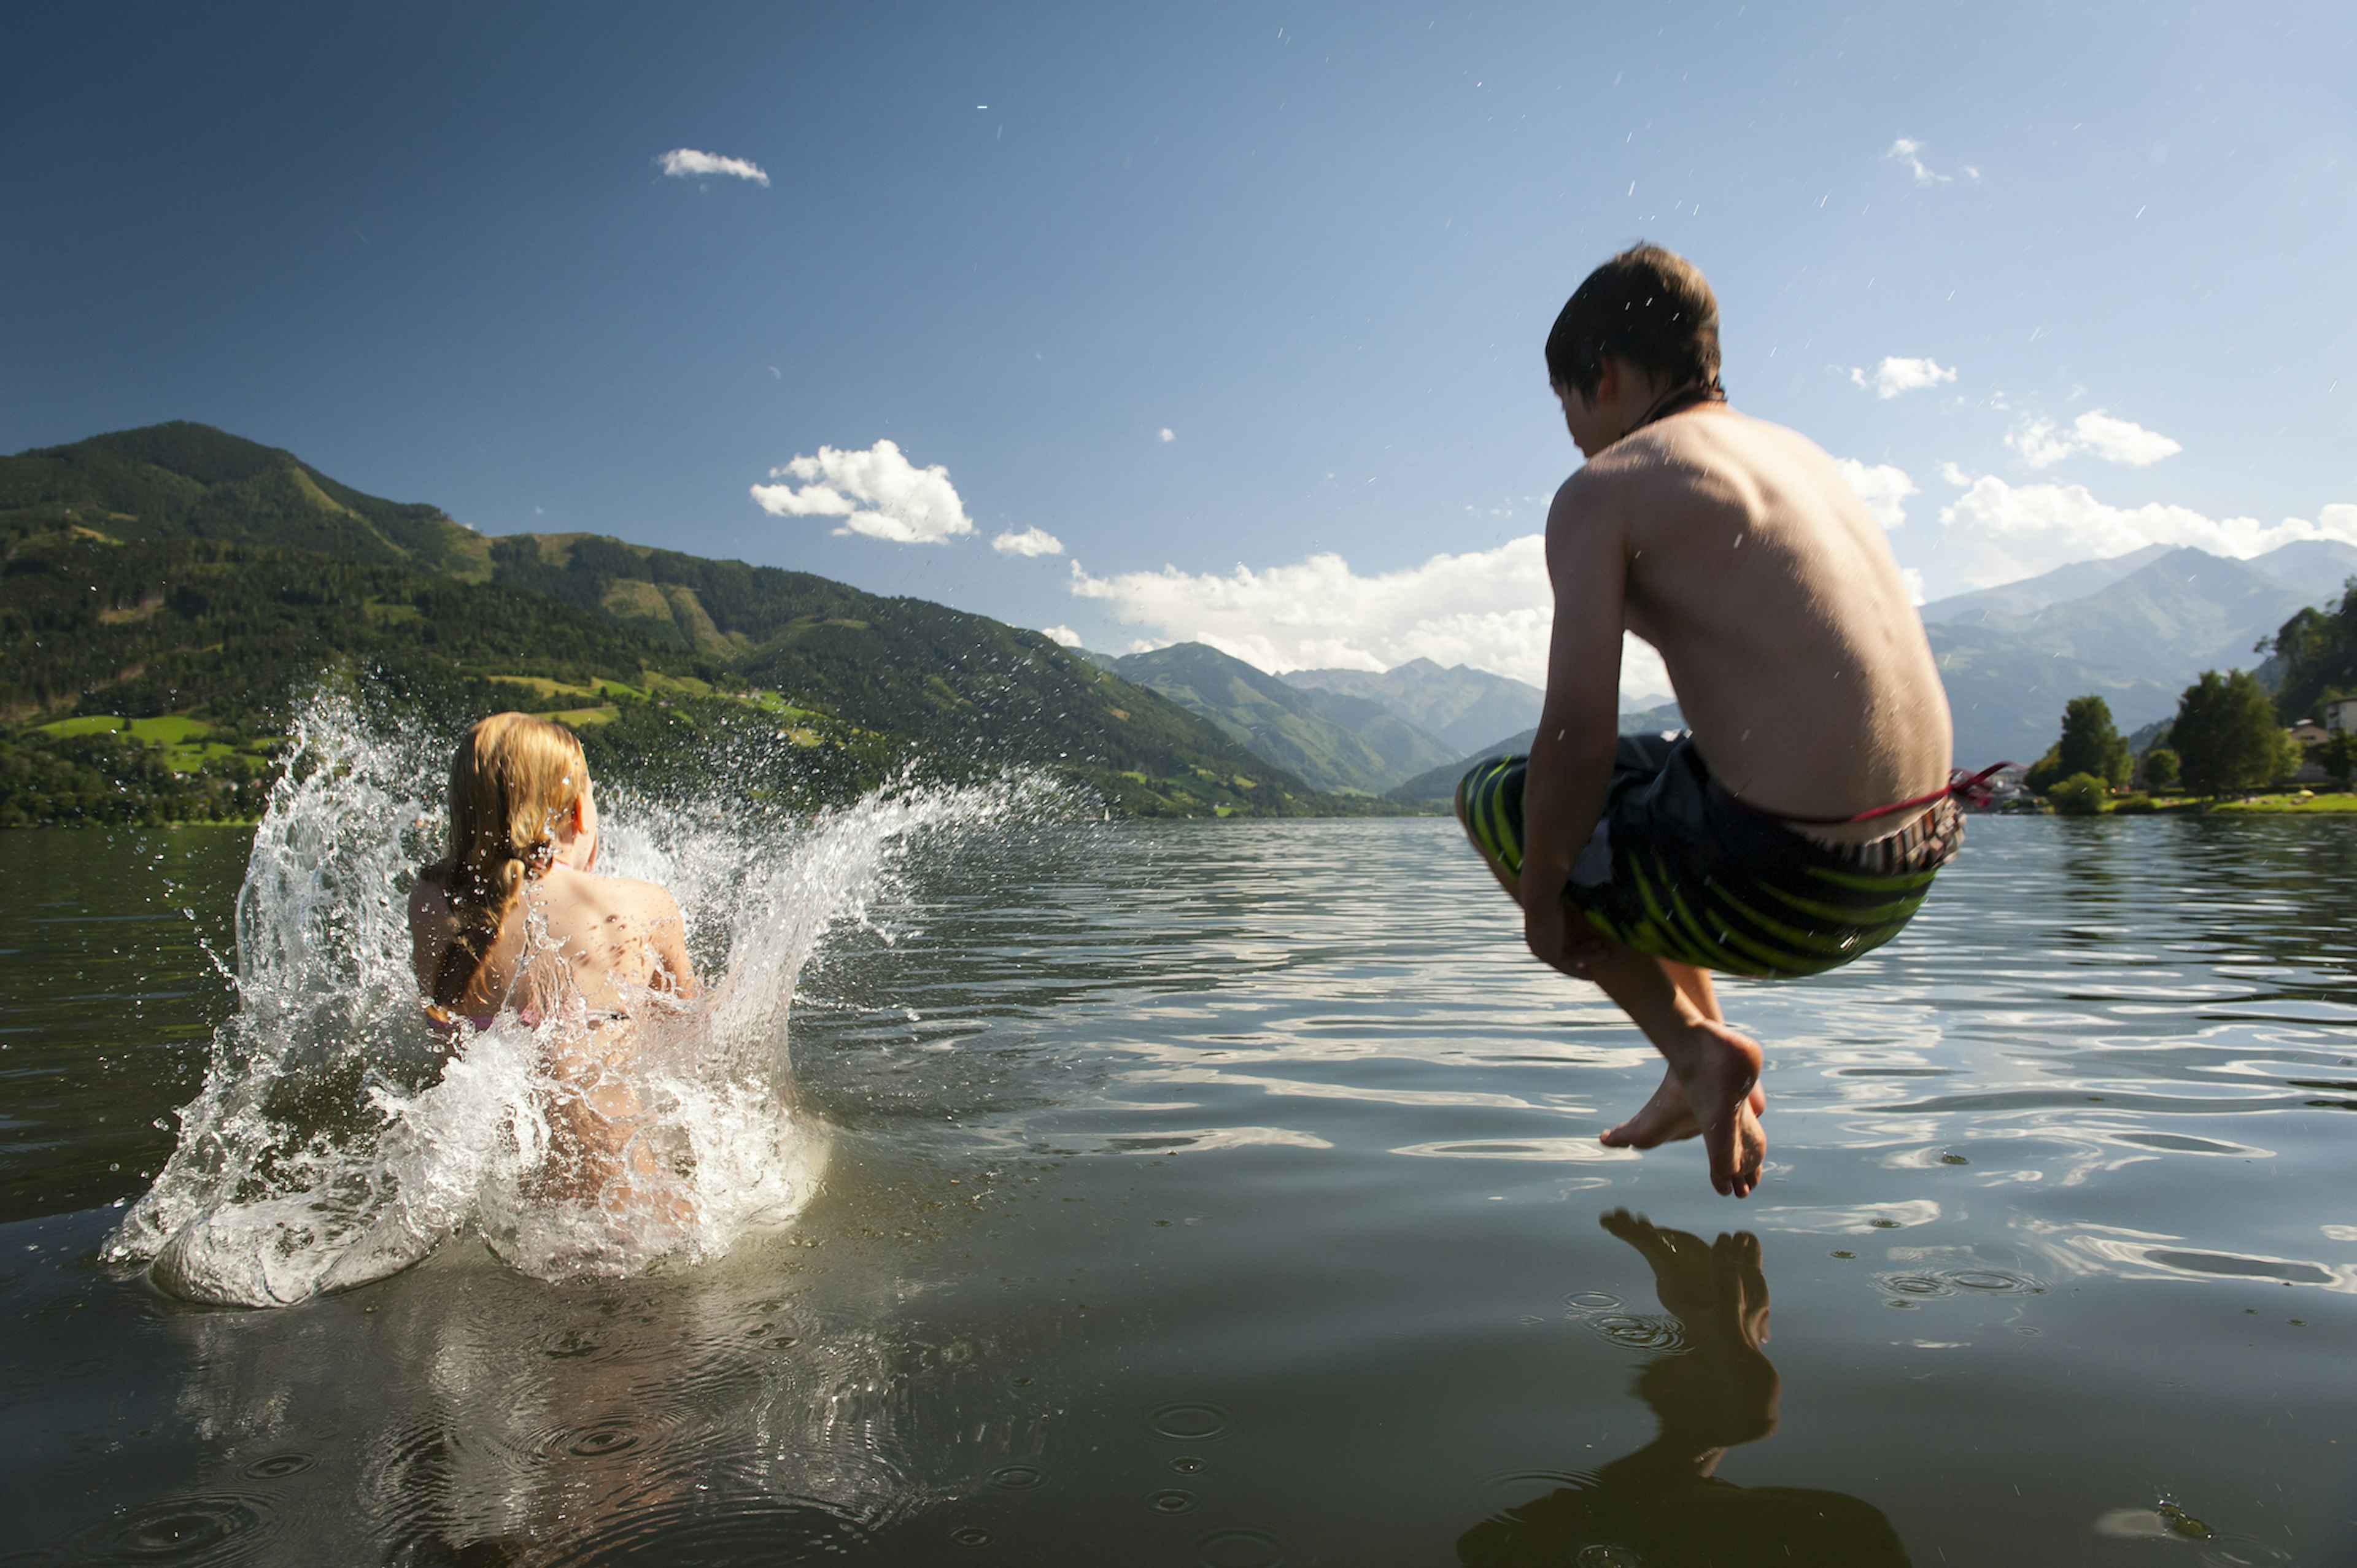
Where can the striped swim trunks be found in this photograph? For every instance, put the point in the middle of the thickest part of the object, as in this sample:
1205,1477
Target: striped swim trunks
1679,869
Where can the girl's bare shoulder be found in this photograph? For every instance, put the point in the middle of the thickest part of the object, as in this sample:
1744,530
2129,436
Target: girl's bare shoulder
640,902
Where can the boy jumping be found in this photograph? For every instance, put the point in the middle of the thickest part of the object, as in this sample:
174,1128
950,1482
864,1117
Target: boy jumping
1800,821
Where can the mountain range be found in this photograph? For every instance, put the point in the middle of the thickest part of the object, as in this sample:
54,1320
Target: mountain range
2135,631
178,570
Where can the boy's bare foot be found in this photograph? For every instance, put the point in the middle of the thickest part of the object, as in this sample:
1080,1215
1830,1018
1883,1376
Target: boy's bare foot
1719,1070
1666,1117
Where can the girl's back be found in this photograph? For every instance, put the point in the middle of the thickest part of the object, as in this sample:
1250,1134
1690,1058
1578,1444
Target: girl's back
569,936
510,917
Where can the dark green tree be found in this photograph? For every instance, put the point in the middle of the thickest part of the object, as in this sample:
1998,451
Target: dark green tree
2226,735
2080,795
2160,769
2091,744
2339,757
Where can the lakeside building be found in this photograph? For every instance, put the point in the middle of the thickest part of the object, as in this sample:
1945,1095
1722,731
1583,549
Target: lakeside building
2341,714
2007,792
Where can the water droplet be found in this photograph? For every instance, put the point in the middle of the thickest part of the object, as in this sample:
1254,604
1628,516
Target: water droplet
1520,1489
278,1466
1171,1499
1599,1556
1017,1477
600,1441
1191,1422
971,1535
1187,1465
1240,1549
179,1528
1592,1301
1993,1280
1635,1332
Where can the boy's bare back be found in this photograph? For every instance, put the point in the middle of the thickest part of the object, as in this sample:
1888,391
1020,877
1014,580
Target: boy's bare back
1736,549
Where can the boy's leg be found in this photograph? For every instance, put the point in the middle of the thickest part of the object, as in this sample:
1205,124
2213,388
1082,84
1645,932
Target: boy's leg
1712,1087
1666,1117
1713,1069
1695,984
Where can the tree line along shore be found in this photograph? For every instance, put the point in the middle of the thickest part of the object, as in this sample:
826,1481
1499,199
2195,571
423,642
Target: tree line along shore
2238,741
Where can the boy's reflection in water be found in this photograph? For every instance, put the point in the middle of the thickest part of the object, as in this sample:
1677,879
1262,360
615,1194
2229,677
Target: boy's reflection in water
1662,1506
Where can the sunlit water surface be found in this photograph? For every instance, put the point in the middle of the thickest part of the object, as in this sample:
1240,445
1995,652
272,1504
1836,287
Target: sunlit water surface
1227,1194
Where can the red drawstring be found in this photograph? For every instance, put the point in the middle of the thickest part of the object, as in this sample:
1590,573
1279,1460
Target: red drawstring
1971,788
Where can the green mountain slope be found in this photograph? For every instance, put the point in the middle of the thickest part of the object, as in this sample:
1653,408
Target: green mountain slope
184,480
2007,698
163,626
1458,706
953,681
1334,741
2179,614
177,570
1439,786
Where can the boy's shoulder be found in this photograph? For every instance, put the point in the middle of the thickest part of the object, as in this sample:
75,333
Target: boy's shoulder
1712,457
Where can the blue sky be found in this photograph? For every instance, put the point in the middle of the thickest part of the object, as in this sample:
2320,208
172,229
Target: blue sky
434,251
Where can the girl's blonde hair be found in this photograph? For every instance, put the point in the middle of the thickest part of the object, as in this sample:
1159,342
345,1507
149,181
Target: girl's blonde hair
513,782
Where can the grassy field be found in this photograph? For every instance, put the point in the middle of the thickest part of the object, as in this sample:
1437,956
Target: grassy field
183,741
2298,801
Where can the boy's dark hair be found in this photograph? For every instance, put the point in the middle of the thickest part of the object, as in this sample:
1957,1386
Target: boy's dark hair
1648,306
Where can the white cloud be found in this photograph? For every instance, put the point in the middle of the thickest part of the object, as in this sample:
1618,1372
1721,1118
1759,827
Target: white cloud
1906,150
877,492
1896,375
1030,541
1914,581
1166,434
1063,636
1883,488
2007,531
2042,444
2123,441
1491,609
686,162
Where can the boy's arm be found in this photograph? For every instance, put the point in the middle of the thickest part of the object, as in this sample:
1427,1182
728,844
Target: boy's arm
1571,758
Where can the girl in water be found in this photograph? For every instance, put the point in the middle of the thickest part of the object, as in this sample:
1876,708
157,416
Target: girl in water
511,922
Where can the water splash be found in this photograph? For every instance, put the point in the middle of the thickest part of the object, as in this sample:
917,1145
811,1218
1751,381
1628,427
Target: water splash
339,1136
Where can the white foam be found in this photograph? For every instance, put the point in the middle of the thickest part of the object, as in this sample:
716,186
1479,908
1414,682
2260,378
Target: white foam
335,1141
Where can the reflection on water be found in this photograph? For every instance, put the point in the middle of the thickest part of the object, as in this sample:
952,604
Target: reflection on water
1225,1195
494,1421
1711,1388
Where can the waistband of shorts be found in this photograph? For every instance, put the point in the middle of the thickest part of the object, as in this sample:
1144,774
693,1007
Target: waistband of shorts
1927,841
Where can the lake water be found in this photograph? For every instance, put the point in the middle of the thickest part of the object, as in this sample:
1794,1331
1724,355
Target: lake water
1227,1194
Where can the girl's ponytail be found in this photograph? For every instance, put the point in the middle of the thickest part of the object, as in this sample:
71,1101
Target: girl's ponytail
514,780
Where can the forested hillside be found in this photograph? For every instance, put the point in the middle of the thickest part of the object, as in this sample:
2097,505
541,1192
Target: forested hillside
180,573
184,480
2315,656
1333,740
